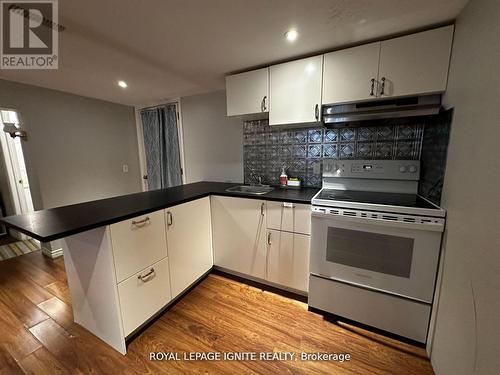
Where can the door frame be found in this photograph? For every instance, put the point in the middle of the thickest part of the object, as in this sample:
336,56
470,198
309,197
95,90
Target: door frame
13,173
140,140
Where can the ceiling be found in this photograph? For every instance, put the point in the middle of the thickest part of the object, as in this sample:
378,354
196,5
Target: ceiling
166,49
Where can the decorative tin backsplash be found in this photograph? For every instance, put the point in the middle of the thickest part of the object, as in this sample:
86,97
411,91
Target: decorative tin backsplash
266,149
433,156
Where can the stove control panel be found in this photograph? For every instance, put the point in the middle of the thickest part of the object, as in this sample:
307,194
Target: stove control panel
374,169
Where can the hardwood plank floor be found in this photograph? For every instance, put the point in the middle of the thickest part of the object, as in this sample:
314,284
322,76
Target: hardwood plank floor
38,336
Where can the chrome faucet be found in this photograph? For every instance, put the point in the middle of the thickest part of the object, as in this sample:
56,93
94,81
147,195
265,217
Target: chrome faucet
255,177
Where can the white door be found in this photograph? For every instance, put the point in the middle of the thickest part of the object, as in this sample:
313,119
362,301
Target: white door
22,188
415,64
189,241
295,91
351,74
248,93
288,259
239,235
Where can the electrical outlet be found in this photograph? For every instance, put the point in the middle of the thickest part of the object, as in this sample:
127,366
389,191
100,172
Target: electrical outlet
125,168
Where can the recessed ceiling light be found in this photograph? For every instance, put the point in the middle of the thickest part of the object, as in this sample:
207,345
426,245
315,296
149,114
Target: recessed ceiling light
291,35
122,84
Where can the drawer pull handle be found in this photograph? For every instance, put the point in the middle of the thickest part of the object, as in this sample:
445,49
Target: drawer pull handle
141,223
146,276
287,205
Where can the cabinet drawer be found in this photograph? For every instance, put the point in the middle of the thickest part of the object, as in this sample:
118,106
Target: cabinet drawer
391,313
137,243
289,217
143,294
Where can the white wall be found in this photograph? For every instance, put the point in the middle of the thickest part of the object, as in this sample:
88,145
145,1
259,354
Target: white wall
76,146
213,142
467,336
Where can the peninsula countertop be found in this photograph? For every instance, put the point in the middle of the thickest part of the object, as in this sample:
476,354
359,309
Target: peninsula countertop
55,223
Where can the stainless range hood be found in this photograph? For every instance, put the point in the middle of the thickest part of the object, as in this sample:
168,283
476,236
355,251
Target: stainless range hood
340,114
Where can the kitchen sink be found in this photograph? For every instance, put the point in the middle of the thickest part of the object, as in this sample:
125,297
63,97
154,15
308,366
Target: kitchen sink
250,189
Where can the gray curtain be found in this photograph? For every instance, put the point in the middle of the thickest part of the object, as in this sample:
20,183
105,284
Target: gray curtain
161,144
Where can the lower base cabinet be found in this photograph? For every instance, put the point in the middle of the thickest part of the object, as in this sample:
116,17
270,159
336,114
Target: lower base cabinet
239,235
189,239
288,259
144,294
122,274
242,243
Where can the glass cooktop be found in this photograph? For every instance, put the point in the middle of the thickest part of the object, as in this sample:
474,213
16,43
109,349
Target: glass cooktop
391,199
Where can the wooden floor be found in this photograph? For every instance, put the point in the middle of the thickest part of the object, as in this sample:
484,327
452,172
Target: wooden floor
38,336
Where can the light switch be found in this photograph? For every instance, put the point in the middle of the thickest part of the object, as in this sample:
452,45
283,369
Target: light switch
125,168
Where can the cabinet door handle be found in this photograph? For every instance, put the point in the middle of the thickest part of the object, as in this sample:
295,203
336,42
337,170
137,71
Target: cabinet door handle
141,223
316,112
267,254
372,91
144,278
263,104
262,209
383,87
170,218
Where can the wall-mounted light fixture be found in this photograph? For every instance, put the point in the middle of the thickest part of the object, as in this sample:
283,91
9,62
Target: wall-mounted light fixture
11,124
13,130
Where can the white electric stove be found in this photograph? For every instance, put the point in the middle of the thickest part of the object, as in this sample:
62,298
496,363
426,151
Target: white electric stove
375,245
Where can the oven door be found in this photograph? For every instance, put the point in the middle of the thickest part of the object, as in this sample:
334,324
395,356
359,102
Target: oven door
390,256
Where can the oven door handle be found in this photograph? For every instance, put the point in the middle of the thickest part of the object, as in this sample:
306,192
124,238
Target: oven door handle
430,226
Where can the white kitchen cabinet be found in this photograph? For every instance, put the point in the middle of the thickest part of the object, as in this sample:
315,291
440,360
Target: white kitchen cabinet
290,217
351,74
189,238
248,93
138,243
239,235
295,91
415,64
288,259
144,294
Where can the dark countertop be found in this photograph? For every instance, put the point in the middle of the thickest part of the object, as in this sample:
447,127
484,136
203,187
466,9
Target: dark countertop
55,223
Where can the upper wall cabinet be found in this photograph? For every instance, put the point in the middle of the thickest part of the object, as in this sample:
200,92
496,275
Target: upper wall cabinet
295,91
248,93
415,64
410,65
351,74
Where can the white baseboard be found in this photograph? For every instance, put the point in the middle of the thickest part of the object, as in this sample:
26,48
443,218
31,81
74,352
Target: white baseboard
55,253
